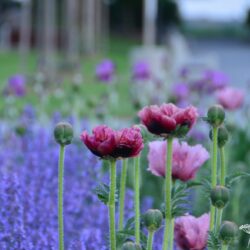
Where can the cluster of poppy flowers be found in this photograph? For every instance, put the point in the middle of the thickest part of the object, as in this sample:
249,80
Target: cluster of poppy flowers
166,121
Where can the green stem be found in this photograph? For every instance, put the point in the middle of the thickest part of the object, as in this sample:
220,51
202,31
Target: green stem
112,235
168,186
224,247
122,192
60,197
150,240
214,173
218,219
171,236
222,166
137,198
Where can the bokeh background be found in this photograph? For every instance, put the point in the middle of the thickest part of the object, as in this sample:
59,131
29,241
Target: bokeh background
99,61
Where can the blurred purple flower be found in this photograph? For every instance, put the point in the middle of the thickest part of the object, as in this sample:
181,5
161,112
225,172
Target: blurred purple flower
105,71
17,85
141,71
217,80
180,91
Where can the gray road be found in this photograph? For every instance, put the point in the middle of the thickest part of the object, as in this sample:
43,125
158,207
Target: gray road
233,57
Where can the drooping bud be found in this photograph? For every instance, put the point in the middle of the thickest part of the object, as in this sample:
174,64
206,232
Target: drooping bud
153,219
216,115
219,196
223,136
228,232
130,245
63,133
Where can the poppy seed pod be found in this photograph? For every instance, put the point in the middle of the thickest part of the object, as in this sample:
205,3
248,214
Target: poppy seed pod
219,196
216,115
223,136
130,245
228,232
63,133
153,219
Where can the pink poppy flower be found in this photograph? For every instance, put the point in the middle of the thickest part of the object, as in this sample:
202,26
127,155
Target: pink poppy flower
186,159
230,98
191,232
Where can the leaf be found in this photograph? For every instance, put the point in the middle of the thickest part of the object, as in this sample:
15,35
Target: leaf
234,177
102,192
213,242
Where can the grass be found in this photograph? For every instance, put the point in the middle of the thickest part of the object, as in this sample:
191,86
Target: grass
86,99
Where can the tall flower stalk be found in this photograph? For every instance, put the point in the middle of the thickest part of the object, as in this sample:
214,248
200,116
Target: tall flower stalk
215,117
122,192
168,231
168,121
112,233
107,143
213,173
60,197
137,198
63,134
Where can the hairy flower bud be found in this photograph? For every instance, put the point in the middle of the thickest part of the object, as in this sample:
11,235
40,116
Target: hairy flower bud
153,219
219,196
216,115
228,232
223,136
130,245
63,133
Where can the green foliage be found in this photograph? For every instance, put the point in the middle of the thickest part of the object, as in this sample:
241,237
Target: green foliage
230,179
213,242
102,192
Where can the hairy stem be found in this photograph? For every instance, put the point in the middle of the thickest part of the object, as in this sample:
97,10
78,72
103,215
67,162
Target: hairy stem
150,240
168,186
213,173
60,197
137,198
122,192
112,234
222,166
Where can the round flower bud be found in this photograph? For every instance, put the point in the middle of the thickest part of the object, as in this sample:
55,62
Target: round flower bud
63,133
153,219
219,196
130,245
222,136
216,115
228,232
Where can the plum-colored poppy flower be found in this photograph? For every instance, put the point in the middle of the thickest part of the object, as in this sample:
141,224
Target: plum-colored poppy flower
186,159
141,71
129,143
216,79
191,232
102,143
166,119
105,71
17,85
230,98
106,142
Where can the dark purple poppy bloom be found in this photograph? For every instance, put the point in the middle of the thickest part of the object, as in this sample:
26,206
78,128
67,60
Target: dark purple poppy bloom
141,71
105,71
17,85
